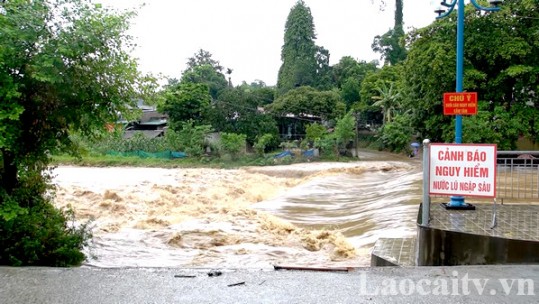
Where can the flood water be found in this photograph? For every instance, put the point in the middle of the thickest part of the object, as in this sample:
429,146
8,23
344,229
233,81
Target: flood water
311,214
363,207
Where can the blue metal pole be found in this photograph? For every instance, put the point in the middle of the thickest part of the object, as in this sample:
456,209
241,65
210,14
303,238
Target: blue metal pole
458,201
460,66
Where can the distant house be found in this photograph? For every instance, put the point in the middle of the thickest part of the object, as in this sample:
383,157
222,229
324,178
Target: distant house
151,123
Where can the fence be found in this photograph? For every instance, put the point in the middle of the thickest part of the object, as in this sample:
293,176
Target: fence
518,176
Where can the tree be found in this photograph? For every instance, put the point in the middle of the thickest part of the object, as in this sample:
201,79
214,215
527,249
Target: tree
186,101
203,69
349,75
349,67
501,60
345,129
299,52
237,111
63,66
324,79
203,57
260,93
193,137
262,142
372,85
206,75
315,131
388,99
306,102
391,44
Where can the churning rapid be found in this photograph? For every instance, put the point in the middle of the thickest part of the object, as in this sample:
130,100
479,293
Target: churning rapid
310,214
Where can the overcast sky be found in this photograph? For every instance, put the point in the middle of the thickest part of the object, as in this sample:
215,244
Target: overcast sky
247,35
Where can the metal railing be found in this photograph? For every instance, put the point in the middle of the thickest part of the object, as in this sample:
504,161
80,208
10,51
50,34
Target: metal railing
517,176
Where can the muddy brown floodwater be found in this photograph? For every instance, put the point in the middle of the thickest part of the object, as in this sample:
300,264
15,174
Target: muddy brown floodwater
311,214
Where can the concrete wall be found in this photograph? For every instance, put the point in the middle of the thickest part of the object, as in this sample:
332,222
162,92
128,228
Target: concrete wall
438,247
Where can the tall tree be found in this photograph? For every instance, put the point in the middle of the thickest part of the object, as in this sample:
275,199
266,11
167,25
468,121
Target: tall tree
324,79
203,57
391,44
64,65
298,54
203,69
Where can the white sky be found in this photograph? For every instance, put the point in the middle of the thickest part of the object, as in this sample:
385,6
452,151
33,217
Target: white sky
247,35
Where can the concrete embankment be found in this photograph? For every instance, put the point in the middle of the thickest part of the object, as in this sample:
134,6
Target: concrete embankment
470,284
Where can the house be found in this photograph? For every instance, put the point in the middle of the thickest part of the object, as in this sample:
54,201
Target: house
151,123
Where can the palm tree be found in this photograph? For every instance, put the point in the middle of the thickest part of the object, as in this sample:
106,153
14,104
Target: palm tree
228,72
388,99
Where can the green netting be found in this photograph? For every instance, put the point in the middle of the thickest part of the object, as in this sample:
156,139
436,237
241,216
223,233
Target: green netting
143,154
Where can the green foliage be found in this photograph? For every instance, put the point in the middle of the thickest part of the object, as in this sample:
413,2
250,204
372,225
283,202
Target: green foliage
315,131
64,65
203,69
388,99
498,126
259,93
233,144
396,135
193,138
237,111
202,58
303,63
206,75
306,101
262,142
324,79
391,44
349,75
190,139
115,142
34,233
348,67
53,243
328,146
500,64
345,129
186,101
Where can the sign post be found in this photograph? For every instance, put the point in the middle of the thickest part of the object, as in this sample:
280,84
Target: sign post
460,103
462,170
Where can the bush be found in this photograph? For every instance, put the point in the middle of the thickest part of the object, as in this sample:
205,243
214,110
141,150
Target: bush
233,144
315,131
327,145
396,135
345,129
33,232
261,143
193,138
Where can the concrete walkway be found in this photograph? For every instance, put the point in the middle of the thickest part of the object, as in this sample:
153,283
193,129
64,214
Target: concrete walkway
466,284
